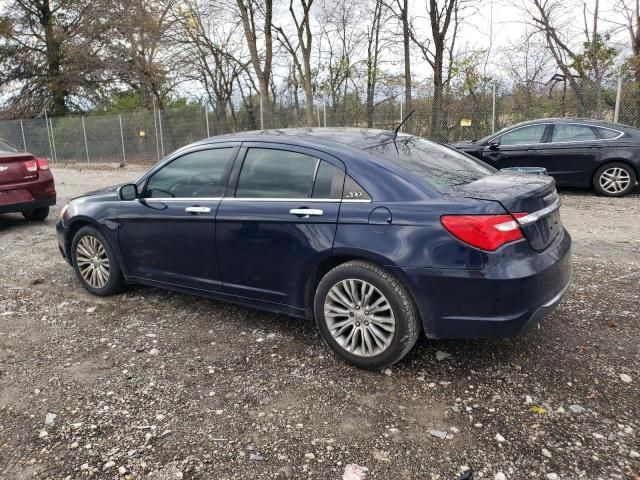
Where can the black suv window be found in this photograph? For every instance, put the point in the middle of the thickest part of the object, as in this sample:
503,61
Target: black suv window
607,133
198,174
570,132
523,135
438,165
273,173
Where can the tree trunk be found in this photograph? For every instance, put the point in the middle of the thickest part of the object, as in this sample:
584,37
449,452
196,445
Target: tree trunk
436,112
406,38
55,81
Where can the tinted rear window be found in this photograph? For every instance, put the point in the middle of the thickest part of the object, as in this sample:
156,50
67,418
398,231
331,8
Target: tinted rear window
438,165
7,147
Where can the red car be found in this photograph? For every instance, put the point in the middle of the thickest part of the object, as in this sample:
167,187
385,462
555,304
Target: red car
26,183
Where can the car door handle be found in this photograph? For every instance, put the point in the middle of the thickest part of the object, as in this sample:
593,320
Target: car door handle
305,212
197,209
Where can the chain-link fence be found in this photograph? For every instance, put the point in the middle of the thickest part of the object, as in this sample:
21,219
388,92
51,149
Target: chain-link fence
144,136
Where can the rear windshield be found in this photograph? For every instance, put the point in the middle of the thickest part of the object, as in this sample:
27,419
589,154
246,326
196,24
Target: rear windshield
7,147
440,166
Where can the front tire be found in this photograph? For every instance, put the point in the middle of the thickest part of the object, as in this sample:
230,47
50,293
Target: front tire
614,179
95,263
366,315
37,214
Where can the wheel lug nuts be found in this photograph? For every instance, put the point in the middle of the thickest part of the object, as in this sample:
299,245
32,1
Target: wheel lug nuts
351,314
366,312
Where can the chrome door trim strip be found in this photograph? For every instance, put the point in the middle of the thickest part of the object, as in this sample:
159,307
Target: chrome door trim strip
535,216
253,199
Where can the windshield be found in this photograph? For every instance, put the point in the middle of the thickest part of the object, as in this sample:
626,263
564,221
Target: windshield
440,166
7,147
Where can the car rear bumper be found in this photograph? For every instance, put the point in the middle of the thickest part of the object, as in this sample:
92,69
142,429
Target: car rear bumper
29,205
28,195
510,296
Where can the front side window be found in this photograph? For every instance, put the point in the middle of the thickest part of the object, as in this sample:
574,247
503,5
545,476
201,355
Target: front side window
523,135
272,173
194,175
436,164
568,132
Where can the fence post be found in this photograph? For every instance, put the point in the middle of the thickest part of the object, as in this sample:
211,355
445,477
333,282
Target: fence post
86,145
618,94
24,142
493,110
206,119
324,110
124,158
46,123
261,115
318,112
160,127
401,115
155,126
53,141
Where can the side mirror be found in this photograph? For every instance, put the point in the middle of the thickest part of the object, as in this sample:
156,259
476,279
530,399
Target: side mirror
128,192
493,145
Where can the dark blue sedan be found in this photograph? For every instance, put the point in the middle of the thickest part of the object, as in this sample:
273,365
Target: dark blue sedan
375,235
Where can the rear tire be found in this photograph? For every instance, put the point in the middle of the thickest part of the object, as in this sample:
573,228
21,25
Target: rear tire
37,214
366,315
614,179
95,262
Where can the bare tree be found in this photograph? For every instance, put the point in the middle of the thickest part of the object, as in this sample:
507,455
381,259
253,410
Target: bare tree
250,11
137,43
300,51
444,19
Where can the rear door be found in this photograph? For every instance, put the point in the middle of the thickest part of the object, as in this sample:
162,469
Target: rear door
571,153
168,235
520,147
279,217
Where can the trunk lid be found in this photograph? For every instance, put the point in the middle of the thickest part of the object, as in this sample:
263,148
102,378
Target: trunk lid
533,195
17,167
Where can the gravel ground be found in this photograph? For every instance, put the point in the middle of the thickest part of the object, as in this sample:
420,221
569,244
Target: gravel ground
162,385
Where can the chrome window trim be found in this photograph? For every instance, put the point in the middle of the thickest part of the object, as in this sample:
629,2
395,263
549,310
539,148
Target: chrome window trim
535,216
518,128
620,134
181,199
254,199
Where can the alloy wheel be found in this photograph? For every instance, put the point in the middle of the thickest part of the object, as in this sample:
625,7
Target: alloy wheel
614,180
359,317
93,261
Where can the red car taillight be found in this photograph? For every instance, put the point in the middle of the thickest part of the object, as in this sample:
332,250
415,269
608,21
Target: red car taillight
487,232
31,166
43,163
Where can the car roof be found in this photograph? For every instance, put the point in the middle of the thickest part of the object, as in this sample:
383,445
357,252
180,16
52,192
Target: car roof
586,121
360,138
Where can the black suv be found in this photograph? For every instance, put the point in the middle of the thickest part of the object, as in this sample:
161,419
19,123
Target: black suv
577,153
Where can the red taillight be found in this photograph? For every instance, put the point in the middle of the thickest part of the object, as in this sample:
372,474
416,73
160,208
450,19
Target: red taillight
31,166
43,163
487,232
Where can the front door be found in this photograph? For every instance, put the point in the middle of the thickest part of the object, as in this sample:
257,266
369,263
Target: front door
520,147
168,235
278,219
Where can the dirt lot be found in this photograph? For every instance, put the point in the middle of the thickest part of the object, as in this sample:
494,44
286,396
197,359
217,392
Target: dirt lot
163,385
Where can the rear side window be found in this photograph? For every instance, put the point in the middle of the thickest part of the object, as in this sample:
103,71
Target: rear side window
607,133
272,173
328,182
199,174
567,132
523,135
436,164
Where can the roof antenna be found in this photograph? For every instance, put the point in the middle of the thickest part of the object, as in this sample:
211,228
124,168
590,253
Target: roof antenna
395,132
